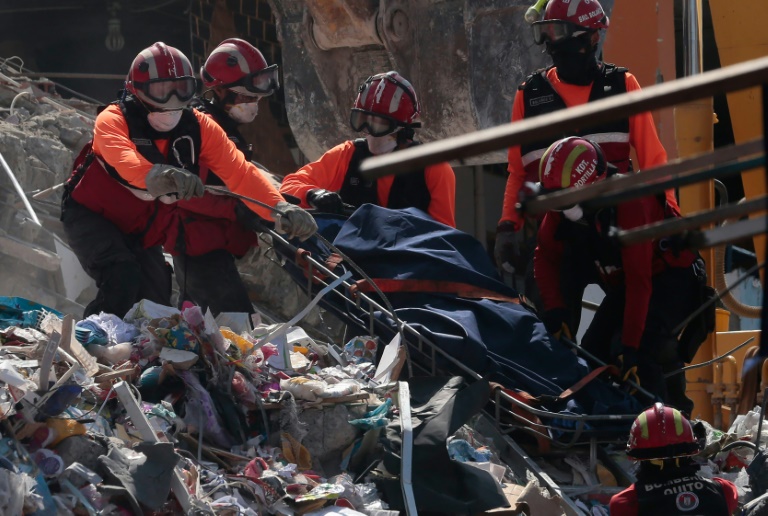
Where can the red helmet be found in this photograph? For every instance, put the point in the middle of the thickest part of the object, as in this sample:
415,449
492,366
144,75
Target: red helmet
567,19
571,162
385,102
661,433
239,66
162,77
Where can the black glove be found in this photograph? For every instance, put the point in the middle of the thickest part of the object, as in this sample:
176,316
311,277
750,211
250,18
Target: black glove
555,322
505,250
325,201
627,363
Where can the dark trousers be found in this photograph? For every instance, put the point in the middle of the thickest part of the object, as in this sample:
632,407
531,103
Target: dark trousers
673,299
125,272
212,281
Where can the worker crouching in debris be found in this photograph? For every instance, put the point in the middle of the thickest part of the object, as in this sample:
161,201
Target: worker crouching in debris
668,481
208,233
386,110
147,151
649,287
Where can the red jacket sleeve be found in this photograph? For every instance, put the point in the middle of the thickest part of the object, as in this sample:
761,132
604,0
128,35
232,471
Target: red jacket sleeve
220,154
731,494
637,264
327,173
624,503
516,170
547,259
441,182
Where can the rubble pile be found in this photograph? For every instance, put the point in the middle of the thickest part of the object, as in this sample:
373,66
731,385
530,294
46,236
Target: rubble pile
168,411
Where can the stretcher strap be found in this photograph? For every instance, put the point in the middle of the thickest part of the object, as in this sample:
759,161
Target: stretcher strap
528,418
302,261
433,286
534,422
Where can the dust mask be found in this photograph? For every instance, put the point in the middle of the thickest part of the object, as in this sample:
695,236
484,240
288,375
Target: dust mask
244,113
381,144
164,121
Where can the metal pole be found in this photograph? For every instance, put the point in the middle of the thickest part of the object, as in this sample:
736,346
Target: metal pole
692,35
406,462
20,190
723,80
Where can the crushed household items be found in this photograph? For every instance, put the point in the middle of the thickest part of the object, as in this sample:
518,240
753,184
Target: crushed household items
170,412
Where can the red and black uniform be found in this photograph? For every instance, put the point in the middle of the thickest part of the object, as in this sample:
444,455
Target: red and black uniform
209,232
650,287
432,190
683,494
112,223
544,92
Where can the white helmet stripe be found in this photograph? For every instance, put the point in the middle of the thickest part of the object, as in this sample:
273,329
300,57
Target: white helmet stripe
149,58
573,6
379,91
241,62
395,102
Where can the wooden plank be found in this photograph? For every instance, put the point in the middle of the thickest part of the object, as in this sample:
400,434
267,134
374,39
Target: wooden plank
674,226
727,234
722,80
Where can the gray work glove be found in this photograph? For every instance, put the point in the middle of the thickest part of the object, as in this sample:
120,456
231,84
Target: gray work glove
294,221
165,179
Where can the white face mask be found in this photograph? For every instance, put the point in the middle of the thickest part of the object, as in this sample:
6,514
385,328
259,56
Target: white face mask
381,144
244,113
164,121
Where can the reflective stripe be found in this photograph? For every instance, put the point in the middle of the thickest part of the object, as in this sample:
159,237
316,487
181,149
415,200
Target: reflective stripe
600,138
568,165
678,422
642,420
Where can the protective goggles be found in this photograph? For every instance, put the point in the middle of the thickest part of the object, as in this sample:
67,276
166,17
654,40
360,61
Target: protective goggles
264,82
374,123
554,31
160,91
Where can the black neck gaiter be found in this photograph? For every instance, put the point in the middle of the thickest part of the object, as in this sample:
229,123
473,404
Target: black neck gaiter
575,60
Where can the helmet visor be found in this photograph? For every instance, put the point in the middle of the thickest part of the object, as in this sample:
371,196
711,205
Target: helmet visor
374,124
262,83
553,31
160,91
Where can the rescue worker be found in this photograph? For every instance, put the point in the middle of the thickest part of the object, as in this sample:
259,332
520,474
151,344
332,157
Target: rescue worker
650,287
147,151
668,483
386,109
569,30
208,233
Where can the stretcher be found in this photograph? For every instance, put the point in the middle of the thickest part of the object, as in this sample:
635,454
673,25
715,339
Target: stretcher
357,303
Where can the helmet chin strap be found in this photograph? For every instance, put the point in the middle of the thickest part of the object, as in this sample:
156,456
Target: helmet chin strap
405,135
